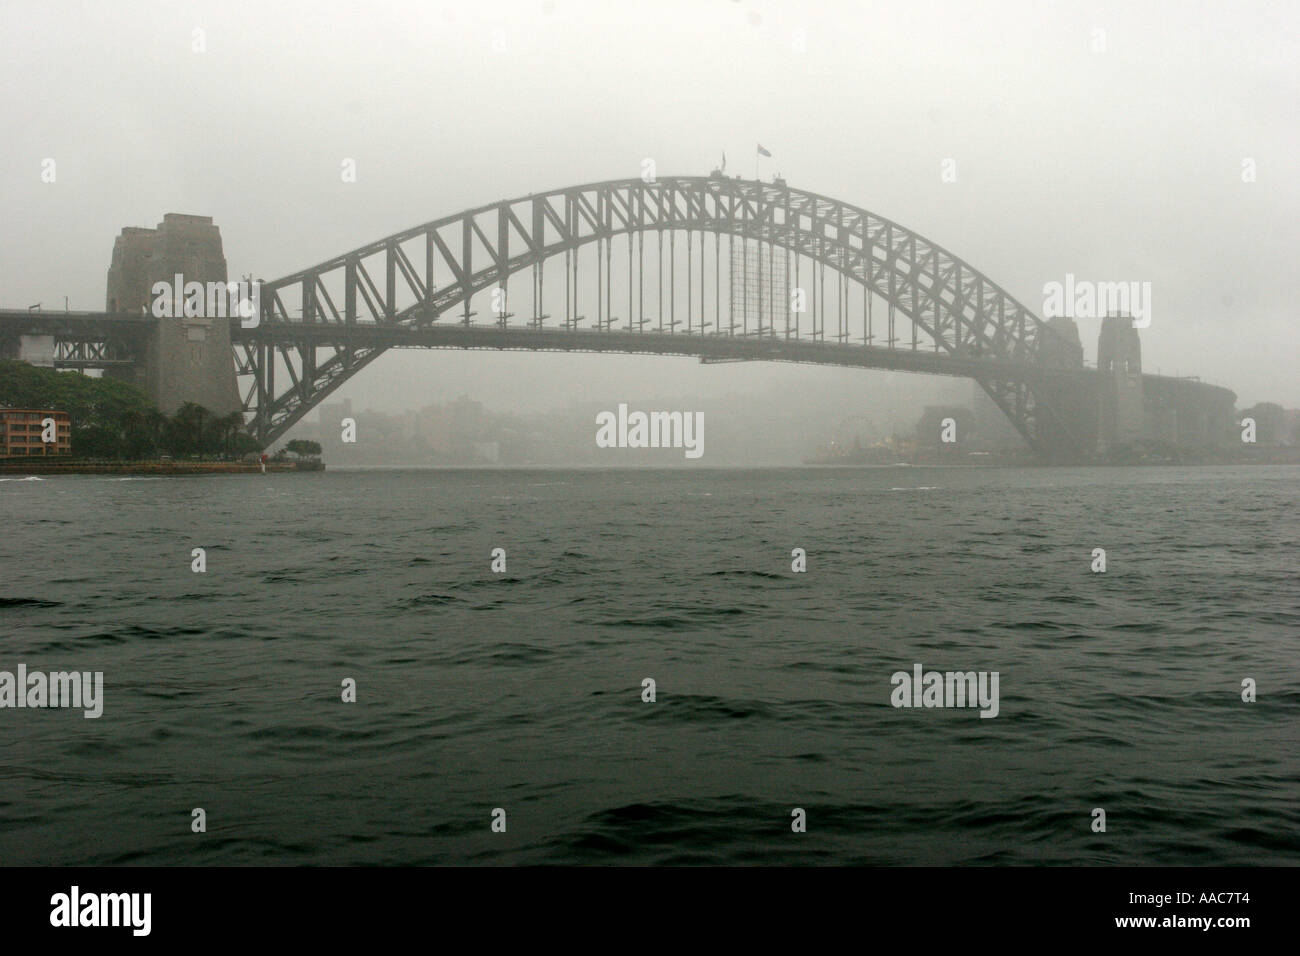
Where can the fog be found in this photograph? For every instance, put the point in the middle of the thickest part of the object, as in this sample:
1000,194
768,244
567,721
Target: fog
1112,155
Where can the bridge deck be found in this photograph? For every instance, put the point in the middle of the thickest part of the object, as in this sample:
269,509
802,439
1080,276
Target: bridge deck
76,324
83,325
707,347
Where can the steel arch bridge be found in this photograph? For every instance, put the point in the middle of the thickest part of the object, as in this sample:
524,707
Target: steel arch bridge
320,326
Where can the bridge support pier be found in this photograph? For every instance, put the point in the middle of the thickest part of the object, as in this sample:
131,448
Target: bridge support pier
1067,414
186,358
1123,406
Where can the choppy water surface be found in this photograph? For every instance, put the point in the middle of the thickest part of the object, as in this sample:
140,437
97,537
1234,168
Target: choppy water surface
523,690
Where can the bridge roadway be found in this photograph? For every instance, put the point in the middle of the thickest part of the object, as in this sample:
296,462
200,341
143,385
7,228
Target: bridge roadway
85,326
709,348
79,325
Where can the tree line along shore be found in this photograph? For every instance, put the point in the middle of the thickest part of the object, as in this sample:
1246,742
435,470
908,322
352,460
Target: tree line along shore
114,425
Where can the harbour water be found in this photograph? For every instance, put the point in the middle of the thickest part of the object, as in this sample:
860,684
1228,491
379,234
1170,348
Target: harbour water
523,690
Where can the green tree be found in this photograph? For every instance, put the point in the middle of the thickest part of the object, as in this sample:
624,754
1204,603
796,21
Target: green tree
106,413
229,428
114,419
191,429
303,448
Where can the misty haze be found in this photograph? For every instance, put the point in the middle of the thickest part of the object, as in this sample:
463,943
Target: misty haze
719,433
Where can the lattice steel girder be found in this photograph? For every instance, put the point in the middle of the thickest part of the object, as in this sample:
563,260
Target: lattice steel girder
412,278
86,351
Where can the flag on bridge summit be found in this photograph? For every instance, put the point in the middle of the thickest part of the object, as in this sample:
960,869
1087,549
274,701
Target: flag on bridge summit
762,151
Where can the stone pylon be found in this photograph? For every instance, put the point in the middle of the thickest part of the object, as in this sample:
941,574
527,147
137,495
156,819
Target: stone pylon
187,358
1123,403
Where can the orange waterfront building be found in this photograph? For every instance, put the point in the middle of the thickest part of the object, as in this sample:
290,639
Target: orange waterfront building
22,432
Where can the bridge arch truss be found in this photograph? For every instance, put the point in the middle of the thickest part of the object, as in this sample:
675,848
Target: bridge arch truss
417,288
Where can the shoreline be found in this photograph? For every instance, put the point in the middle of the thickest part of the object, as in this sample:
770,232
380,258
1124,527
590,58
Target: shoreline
53,467
11,469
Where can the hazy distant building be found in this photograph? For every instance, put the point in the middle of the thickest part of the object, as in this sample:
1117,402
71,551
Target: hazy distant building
1290,427
331,417
947,431
1271,426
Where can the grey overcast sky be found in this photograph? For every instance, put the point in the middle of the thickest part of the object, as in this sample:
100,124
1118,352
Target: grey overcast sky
1118,163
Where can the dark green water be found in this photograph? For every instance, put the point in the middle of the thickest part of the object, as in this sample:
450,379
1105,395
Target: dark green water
522,690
